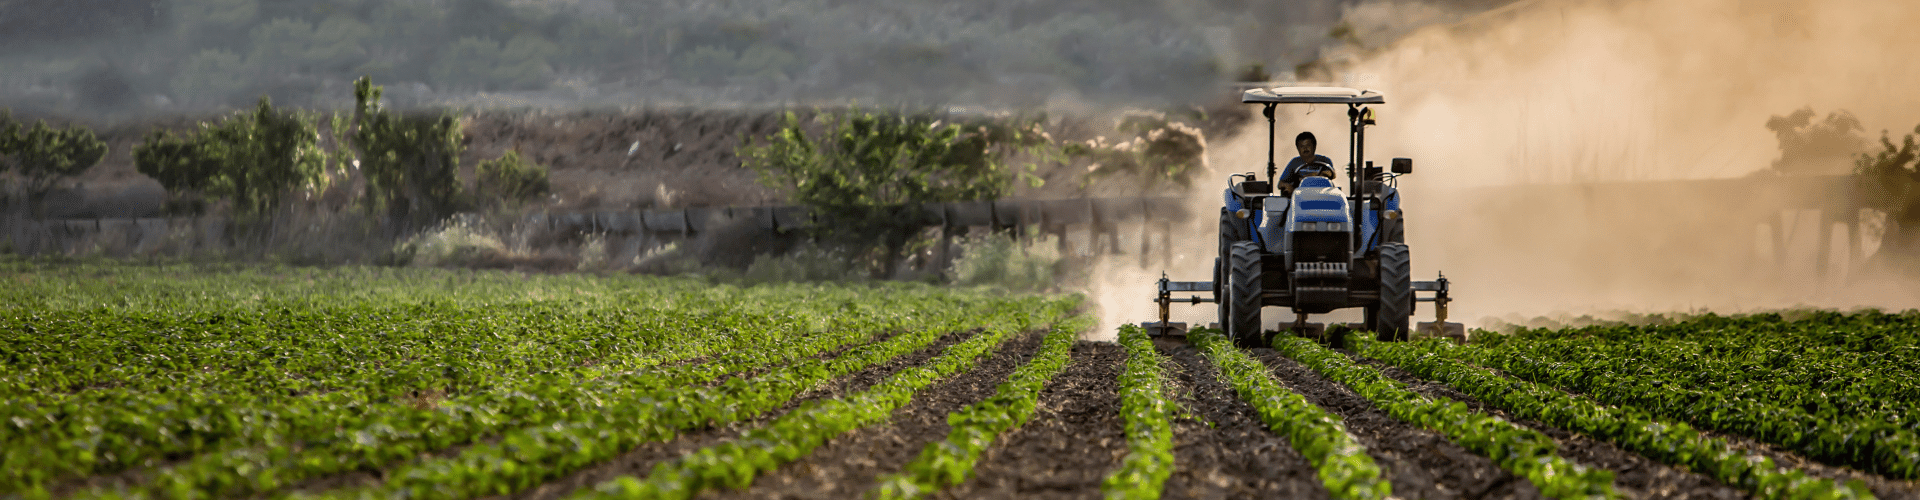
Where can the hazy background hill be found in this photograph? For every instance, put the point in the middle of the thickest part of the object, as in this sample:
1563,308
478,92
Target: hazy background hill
110,58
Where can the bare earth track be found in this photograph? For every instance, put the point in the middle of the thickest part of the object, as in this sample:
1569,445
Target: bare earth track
1420,463
848,466
1073,441
1222,448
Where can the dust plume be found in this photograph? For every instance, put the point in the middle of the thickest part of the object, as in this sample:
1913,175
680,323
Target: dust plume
1528,123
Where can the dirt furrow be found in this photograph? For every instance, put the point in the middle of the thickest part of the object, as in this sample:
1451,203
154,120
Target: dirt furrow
848,466
1074,439
1420,463
641,460
1220,447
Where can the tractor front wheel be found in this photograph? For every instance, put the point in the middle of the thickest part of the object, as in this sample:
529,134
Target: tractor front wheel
1243,295
1390,317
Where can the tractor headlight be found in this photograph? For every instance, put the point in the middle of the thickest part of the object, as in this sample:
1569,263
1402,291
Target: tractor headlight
1391,214
1241,213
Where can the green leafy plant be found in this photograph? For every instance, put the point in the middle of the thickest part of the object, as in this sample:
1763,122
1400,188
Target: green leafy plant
1342,464
1629,427
1524,452
264,381
735,463
1836,388
1149,420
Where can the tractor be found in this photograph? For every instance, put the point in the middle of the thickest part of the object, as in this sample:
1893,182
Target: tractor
1299,241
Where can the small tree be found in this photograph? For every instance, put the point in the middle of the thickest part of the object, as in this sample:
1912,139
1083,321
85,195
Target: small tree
410,162
1889,181
1816,148
41,156
185,165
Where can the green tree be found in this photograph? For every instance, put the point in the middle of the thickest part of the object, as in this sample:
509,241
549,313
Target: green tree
868,173
270,154
256,159
1888,180
41,156
187,166
410,162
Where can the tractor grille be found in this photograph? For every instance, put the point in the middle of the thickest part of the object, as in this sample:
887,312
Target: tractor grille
1320,270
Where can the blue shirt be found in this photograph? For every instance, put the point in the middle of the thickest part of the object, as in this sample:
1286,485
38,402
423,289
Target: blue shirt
1288,175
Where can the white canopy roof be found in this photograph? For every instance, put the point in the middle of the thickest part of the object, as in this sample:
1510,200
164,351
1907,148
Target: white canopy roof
1312,95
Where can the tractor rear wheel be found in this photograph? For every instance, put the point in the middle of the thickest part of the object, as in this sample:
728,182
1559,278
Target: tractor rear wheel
1391,316
1243,295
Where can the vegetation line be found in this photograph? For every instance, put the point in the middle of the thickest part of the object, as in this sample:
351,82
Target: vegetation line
1342,464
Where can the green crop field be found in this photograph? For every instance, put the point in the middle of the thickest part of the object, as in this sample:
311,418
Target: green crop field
215,381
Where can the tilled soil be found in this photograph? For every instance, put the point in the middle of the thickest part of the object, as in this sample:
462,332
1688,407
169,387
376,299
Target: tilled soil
642,459
1220,448
850,465
1634,475
1418,462
1075,438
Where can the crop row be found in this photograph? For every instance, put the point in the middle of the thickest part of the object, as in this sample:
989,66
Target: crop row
1837,424
498,349
530,455
1342,464
275,454
735,463
948,462
1630,428
1524,452
1859,361
1144,470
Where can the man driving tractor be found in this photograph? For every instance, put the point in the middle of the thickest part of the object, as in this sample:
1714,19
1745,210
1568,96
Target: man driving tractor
1306,144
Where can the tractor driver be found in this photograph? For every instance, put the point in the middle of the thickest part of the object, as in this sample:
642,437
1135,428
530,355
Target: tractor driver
1305,143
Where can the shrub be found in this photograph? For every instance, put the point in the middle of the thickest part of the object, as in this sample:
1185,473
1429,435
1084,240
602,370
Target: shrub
999,260
511,178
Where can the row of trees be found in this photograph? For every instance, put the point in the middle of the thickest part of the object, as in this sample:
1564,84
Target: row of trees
34,159
404,166
1886,178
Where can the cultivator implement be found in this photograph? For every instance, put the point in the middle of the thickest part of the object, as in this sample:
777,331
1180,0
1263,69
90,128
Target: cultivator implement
1202,292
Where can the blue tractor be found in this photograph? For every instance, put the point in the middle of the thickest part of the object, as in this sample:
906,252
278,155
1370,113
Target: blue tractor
1297,240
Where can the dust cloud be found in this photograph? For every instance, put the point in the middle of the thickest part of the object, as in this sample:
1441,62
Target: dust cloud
1553,142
